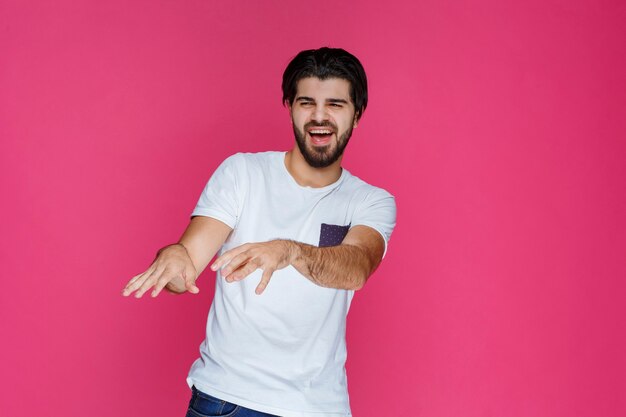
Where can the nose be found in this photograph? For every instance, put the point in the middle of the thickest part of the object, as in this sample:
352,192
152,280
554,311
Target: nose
320,114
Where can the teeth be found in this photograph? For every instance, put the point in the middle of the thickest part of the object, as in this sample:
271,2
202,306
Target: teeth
319,132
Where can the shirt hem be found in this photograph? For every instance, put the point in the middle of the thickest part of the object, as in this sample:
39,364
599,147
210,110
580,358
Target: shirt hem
227,220
260,407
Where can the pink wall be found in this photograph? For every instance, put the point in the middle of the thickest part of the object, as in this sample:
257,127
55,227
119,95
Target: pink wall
499,128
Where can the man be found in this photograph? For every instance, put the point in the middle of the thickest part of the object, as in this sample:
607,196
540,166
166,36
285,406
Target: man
297,235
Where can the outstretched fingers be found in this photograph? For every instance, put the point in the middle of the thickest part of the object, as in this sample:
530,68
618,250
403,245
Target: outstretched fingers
227,257
248,267
236,264
161,282
137,281
129,286
149,282
265,279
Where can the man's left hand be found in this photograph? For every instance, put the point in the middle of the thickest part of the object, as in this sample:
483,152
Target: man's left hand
239,262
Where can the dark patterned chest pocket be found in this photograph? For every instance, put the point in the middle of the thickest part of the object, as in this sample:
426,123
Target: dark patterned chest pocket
332,234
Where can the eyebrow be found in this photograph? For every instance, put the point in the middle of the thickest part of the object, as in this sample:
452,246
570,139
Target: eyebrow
330,100
337,100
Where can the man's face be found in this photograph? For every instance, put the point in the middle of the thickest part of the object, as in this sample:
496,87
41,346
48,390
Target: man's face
323,117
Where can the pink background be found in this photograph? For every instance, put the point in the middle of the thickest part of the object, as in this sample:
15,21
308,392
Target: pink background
500,128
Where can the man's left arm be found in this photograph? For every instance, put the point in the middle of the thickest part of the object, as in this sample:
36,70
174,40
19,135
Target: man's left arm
345,266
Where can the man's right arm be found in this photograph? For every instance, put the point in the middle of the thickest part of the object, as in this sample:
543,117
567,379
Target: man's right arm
177,266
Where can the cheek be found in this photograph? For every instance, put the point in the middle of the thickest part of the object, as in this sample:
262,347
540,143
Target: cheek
345,125
297,120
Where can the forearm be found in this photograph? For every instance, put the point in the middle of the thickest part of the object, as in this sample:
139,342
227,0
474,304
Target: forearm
346,266
343,266
202,239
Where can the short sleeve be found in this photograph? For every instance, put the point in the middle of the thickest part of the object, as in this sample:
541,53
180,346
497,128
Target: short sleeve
378,211
221,197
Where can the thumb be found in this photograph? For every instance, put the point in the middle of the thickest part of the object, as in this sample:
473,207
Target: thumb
190,280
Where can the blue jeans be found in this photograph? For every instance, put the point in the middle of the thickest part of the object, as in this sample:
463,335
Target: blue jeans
205,405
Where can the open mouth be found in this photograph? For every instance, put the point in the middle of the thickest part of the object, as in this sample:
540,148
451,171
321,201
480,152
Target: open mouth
320,136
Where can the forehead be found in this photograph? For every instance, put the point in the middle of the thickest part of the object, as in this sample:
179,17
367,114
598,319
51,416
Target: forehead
323,89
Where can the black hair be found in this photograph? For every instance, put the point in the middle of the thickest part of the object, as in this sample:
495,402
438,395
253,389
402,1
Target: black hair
324,63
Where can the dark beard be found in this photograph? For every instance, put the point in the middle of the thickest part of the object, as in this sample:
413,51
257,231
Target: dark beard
321,156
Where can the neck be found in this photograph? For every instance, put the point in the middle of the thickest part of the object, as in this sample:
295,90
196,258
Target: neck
308,176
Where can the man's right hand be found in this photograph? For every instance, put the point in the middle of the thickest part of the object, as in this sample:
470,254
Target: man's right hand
172,269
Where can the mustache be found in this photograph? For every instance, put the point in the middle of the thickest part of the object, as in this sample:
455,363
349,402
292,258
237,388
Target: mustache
322,124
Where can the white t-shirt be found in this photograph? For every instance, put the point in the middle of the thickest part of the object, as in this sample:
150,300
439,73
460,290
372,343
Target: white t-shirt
282,352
